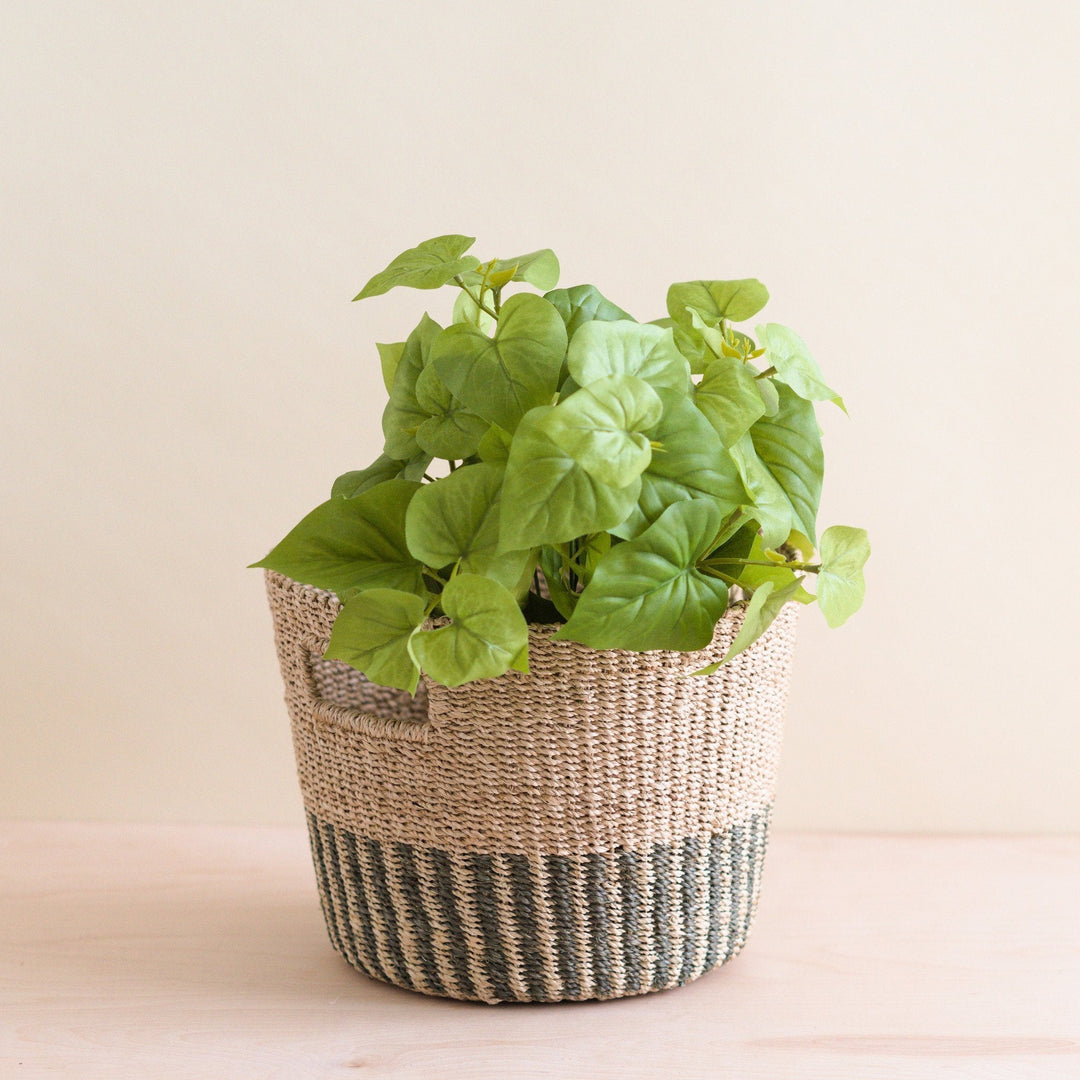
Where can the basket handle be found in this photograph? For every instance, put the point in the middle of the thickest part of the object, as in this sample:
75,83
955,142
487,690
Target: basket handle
355,720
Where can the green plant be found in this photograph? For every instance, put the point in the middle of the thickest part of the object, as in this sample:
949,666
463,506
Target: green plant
642,471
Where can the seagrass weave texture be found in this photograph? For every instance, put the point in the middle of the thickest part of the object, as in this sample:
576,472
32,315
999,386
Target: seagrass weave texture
593,829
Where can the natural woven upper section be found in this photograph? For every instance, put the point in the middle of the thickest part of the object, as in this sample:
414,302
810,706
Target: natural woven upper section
591,752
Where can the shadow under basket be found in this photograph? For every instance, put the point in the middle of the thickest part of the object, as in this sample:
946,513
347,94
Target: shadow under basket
594,829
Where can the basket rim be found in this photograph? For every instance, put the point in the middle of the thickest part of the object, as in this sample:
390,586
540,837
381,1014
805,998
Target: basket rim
544,632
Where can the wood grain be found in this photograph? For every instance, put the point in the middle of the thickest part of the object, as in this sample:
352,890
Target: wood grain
177,952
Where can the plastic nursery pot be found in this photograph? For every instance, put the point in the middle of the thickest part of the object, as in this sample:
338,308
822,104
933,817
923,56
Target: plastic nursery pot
594,829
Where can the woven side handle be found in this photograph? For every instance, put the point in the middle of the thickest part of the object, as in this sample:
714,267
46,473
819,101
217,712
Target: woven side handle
352,718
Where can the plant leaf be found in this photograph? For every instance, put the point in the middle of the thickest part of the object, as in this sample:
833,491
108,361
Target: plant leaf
389,357
602,426
403,414
450,431
767,388
690,345
548,497
841,585
769,504
487,634
628,348
729,397
371,634
426,266
551,563
501,378
689,463
736,544
740,519
593,548
712,337
649,593
539,268
466,310
801,544
497,276
716,300
784,464
788,353
347,545
581,304
494,446
354,483
753,577
763,608
457,519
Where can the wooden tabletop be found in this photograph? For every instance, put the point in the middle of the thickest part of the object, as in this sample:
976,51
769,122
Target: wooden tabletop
159,952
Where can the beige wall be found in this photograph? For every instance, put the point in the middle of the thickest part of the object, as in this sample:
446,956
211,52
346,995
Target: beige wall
193,192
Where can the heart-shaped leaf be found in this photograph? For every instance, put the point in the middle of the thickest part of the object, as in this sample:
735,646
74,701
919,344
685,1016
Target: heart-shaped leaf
347,545
547,496
788,353
494,446
601,427
763,608
690,344
354,483
649,593
729,397
426,266
389,358
404,414
747,545
841,585
450,431
466,310
371,633
782,464
688,463
582,304
539,268
643,350
716,300
487,634
768,505
457,519
502,377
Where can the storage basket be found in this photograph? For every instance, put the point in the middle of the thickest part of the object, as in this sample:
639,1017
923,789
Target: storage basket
594,829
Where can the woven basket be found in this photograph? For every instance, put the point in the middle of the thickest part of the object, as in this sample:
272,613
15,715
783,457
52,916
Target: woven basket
594,829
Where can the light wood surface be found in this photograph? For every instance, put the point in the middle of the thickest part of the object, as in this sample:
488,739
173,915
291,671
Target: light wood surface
177,952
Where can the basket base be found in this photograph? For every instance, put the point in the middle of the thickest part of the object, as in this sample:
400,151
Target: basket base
539,928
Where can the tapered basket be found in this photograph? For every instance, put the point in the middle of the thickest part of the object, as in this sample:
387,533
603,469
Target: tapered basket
594,829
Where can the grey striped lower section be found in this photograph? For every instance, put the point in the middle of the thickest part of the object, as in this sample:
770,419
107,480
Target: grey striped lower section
503,927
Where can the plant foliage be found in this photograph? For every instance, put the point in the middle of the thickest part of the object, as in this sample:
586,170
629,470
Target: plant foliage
628,480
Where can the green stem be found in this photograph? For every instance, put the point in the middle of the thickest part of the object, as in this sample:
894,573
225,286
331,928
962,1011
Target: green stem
496,299
809,568
801,567
712,572
478,301
766,373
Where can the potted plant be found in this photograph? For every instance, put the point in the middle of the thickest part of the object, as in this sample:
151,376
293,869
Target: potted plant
536,655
